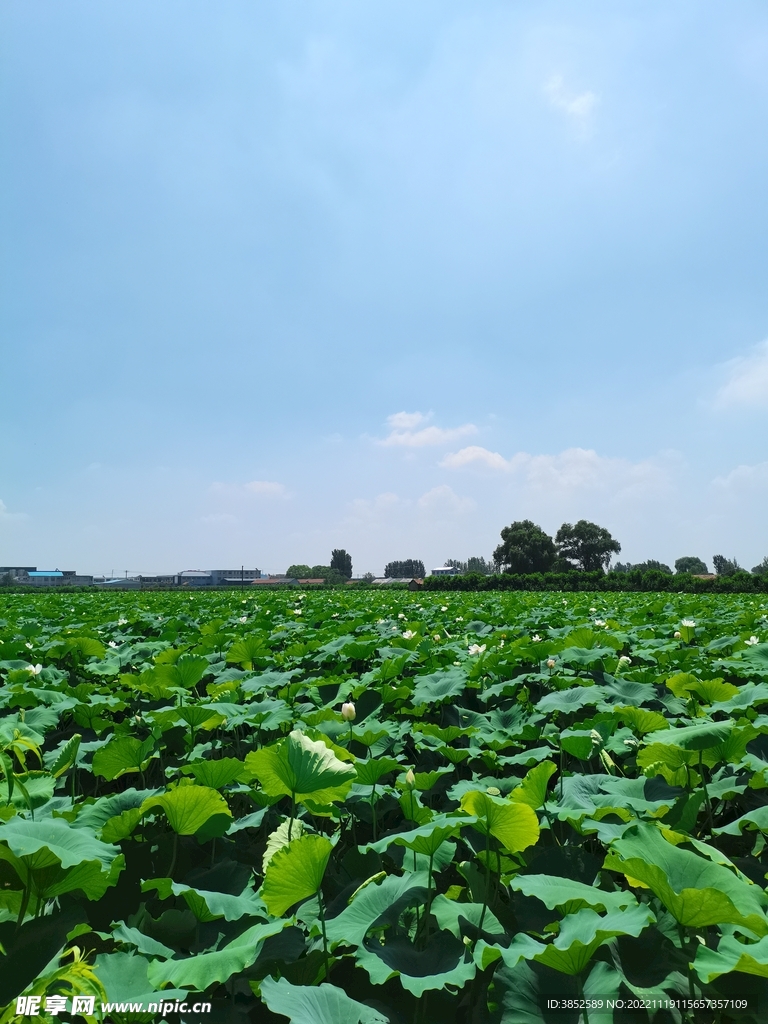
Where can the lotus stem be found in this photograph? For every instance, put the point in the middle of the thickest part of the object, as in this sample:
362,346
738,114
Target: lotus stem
325,937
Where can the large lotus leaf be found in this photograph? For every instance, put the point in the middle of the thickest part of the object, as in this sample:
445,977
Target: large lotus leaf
119,756
441,963
580,935
31,948
216,774
570,700
245,652
584,793
641,719
695,737
578,742
439,686
187,672
732,955
696,891
204,969
368,904
190,808
124,977
30,789
522,992
207,905
325,1004
95,814
585,657
515,825
533,789
758,819
303,768
426,839
570,896
295,872
196,716
144,943
57,859
462,919
371,771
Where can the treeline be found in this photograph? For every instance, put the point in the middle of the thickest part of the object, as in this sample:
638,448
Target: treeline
634,581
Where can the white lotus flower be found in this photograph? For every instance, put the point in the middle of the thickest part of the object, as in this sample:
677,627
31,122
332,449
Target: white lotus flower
752,640
28,645
690,623
536,638
348,711
400,615
243,618
551,663
599,622
460,618
335,615
501,643
436,636
624,660
35,669
444,608
297,611
410,778
122,622
113,644
408,634
477,648
678,634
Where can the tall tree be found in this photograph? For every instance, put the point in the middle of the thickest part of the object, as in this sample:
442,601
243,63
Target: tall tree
692,564
761,569
586,545
525,548
342,562
406,569
725,566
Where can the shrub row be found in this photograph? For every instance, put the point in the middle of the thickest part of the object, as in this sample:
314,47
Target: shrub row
628,582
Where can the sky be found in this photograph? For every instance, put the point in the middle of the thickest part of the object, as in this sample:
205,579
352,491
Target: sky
281,278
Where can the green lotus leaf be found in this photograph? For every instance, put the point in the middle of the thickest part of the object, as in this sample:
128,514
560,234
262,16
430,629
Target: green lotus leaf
216,774
369,903
695,737
515,825
568,895
207,905
732,955
439,686
696,891
144,943
125,979
190,808
121,756
187,671
280,838
67,756
641,719
426,839
580,935
369,772
442,963
28,789
570,700
462,919
758,819
295,873
245,652
325,1004
300,767
533,789
204,969
52,858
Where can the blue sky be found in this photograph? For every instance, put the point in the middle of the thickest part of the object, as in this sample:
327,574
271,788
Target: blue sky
278,278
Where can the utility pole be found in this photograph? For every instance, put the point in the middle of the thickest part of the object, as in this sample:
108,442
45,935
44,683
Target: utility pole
242,577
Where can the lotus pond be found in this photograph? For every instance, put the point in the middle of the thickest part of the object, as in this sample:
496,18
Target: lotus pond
534,808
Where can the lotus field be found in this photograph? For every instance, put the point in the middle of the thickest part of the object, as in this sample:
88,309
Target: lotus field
347,806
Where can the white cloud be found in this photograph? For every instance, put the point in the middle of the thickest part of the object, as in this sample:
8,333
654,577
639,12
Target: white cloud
403,433
443,499
9,517
743,478
577,106
746,381
575,469
267,488
475,453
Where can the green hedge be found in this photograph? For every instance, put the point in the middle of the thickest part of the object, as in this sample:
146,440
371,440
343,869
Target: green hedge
653,581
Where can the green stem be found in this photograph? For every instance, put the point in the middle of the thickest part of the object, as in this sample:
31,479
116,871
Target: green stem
580,986
487,875
293,815
429,900
175,851
325,937
23,908
706,791
373,810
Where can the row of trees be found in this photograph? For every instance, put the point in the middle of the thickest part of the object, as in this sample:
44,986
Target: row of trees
526,548
339,571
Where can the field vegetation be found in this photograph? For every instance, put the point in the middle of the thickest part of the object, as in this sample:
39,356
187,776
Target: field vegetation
343,806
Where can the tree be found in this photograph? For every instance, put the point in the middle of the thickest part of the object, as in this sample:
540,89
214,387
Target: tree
299,572
586,546
761,569
525,548
478,564
725,566
342,562
453,563
691,564
407,569
651,565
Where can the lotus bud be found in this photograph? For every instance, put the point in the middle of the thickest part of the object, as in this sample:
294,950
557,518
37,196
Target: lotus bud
493,791
677,634
348,711
550,662
410,778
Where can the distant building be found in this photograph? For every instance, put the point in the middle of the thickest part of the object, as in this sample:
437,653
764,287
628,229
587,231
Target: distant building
446,570
271,581
194,578
55,578
231,577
